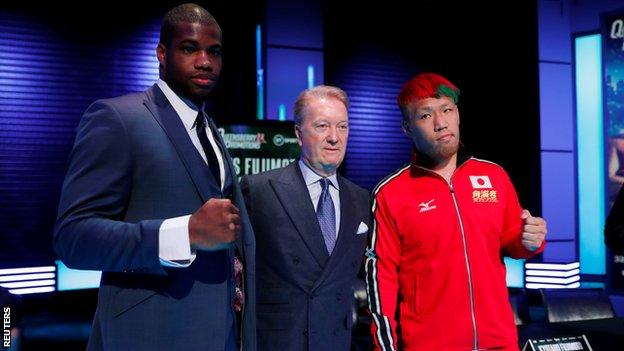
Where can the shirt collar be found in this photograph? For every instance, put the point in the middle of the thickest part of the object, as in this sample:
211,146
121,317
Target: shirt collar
183,107
310,177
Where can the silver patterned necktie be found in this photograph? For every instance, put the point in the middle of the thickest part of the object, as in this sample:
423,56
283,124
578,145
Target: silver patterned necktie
326,215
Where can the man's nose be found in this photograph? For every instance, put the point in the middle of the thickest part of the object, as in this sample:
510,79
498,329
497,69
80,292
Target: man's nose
203,61
332,136
440,122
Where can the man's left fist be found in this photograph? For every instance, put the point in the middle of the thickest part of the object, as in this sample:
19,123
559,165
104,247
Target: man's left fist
533,231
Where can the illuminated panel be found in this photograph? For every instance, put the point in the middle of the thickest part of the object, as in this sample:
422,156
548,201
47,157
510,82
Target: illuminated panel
310,77
259,75
515,272
552,275
28,280
590,157
72,279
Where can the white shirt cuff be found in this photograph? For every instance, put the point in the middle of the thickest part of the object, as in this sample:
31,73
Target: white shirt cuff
174,246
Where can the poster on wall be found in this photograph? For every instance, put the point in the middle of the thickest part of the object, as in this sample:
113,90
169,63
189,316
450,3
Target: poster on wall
613,94
260,148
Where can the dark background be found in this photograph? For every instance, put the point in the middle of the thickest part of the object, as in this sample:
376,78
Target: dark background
488,51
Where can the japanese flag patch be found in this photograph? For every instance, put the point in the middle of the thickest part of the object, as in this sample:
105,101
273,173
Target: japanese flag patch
480,182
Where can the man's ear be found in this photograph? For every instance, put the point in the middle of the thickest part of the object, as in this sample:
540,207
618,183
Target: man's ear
161,51
406,128
298,134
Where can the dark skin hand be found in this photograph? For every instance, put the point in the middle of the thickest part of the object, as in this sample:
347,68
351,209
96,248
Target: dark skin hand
217,222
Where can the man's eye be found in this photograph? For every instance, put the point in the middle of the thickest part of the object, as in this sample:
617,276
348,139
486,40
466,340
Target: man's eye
424,116
215,52
321,127
188,49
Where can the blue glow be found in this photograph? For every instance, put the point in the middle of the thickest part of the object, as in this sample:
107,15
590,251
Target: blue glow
259,75
590,156
46,83
282,112
559,202
72,279
310,76
515,272
287,76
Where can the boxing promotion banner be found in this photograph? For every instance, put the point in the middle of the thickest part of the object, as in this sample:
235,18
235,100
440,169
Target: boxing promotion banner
613,95
260,148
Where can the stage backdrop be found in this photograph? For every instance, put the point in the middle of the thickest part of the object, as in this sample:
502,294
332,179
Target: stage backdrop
613,73
261,148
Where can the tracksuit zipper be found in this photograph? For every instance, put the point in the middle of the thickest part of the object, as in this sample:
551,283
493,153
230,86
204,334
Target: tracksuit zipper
472,309
461,227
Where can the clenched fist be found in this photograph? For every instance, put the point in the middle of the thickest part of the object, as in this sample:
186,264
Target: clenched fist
216,223
533,231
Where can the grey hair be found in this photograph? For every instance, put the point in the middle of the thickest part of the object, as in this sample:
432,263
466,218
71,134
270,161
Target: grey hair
319,92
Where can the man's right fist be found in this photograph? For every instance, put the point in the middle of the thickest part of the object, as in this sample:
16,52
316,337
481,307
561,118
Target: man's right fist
216,223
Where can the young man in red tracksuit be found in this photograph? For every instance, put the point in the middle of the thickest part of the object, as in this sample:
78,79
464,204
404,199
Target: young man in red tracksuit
434,269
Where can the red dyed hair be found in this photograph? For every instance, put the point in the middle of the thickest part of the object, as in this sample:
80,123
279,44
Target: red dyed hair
426,85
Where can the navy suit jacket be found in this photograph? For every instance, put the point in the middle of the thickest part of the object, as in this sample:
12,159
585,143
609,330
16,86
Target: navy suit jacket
304,295
132,166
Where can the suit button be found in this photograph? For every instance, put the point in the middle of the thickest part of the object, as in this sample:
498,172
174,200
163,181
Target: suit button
295,260
305,332
339,297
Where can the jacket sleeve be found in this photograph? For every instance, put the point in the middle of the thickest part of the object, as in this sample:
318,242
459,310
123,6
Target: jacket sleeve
511,238
383,255
614,227
90,232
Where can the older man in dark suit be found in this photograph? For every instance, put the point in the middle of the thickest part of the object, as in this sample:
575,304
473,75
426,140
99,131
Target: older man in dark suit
151,199
311,228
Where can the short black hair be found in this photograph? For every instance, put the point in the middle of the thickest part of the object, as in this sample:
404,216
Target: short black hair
185,13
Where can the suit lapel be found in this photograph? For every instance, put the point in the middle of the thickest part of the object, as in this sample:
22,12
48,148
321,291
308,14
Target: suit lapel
169,120
293,195
230,172
349,220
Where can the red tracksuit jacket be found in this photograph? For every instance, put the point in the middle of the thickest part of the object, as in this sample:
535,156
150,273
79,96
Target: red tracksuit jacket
434,268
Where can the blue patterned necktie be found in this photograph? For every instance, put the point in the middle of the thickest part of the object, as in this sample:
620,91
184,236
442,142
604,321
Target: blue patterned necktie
326,216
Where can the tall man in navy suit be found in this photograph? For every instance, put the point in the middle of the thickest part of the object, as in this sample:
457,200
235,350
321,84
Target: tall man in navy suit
311,228
151,199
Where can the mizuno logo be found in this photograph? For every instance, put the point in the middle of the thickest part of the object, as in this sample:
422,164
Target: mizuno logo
426,206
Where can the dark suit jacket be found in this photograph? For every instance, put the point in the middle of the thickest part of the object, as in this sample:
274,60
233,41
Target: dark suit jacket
133,165
304,295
